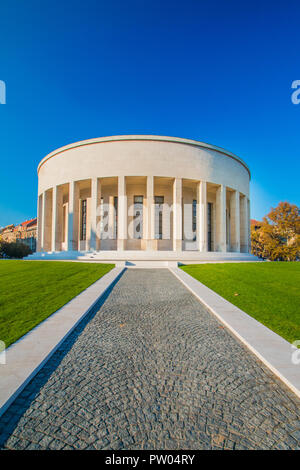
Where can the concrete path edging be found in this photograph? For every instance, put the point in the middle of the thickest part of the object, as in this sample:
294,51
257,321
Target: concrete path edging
26,357
274,351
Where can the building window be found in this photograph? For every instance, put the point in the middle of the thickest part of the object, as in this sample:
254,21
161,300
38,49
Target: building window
138,217
159,201
83,220
116,217
64,223
209,226
194,218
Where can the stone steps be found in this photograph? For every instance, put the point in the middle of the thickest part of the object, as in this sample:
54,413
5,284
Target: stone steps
142,258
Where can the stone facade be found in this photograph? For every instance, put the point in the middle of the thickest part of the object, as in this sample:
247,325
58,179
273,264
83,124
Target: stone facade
143,193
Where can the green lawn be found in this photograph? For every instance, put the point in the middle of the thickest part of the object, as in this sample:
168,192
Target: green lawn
269,292
31,290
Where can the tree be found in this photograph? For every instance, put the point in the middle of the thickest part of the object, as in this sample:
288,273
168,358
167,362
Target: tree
256,244
278,238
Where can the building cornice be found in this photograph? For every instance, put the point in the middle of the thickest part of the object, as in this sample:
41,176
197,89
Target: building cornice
157,138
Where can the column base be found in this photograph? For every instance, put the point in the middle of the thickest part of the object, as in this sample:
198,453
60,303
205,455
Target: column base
177,245
151,245
202,247
120,245
235,248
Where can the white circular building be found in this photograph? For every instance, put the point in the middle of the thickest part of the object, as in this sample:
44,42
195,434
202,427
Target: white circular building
143,197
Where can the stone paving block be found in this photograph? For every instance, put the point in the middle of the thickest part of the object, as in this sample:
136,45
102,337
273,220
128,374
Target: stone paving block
152,369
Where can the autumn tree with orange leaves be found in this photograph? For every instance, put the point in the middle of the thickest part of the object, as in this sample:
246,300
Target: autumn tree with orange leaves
278,237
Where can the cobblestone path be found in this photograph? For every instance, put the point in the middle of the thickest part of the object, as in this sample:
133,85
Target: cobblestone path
152,369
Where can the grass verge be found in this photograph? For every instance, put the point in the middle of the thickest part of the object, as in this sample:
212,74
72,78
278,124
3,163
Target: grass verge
30,291
269,292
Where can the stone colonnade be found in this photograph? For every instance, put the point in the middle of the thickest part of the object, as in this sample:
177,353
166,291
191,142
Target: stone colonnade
73,216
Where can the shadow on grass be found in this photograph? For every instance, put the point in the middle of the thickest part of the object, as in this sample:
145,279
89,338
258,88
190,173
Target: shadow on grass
9,420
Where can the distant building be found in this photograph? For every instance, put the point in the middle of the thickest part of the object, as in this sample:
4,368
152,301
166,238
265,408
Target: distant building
26,232
7,233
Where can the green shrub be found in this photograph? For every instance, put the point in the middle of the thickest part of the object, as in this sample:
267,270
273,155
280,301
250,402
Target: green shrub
14,250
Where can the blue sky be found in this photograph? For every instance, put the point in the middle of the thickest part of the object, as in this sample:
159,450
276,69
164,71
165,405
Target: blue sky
218,72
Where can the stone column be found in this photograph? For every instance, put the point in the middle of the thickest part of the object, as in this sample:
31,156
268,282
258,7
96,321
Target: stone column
244,224
122,213
43,231
73,216
249,228
95,213
46,225
202,216
177,214
221,218
111,218
57,218
150,222
39,222
235,221
54,219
